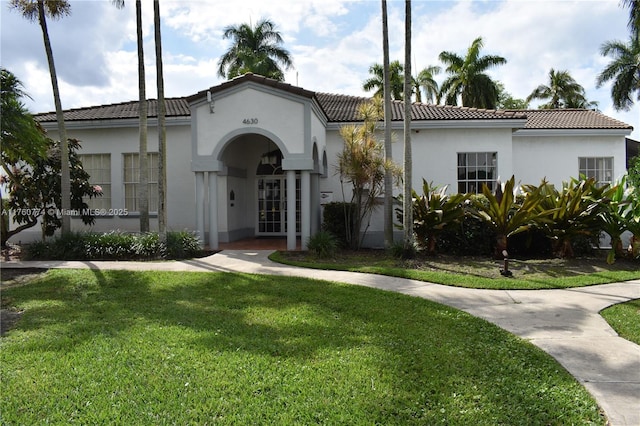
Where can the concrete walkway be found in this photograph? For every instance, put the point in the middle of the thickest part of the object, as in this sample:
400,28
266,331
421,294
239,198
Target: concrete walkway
564,323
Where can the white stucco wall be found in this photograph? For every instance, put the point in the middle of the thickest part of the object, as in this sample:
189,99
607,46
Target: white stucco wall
117,141
250,108
434,153
555,157
319,136
435,158
529,158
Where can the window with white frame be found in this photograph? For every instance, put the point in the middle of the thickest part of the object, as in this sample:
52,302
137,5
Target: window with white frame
131,178
599,168
476,169
98,166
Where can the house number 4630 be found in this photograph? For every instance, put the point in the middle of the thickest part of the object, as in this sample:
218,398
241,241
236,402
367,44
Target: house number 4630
250,121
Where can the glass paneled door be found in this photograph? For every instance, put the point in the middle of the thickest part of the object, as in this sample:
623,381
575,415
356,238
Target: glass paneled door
271,213
272,205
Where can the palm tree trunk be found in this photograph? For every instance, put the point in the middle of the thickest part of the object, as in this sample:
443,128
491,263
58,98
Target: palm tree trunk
143,185
432,241
407,195
65,184
501,246
162,136
355,236
616,245
388,176
567,249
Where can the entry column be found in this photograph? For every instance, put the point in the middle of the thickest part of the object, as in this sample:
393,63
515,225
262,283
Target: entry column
200,206
291,210
213,210
305,207
315,203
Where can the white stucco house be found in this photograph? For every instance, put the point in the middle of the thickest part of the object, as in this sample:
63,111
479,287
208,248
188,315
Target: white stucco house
250,156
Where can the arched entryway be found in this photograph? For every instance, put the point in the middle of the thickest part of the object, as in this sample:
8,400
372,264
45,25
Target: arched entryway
257,191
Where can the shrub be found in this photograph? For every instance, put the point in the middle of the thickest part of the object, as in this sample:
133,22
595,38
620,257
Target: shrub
530,243
324,244
574,214
182,245
335,216
585,245
65,247
507,213
472,237
115,245
37,250
433,212
399,251
147,246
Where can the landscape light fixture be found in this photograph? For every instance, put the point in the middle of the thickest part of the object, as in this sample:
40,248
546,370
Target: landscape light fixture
506,272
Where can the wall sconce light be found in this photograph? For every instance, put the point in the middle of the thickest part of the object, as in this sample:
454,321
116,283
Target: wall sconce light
212,103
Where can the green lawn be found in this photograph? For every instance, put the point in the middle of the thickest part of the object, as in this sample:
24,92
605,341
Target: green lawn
117,347
473,272
625,319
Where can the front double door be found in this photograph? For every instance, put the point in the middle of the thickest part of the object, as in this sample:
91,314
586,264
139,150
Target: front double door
272,205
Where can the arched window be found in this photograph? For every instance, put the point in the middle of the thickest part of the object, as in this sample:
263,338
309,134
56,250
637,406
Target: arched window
270,163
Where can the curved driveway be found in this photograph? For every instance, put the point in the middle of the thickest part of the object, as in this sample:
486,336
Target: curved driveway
564,323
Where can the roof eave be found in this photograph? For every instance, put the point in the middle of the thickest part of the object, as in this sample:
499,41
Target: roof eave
248,79
507,123
499,123
574,132
115,123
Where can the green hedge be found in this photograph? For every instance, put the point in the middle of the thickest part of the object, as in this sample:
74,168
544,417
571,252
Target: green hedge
472,237
335,220
115,246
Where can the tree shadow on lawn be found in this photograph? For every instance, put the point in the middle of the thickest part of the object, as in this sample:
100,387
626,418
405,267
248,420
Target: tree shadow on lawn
422,361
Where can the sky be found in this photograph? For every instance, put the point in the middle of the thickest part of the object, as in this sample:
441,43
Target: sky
332,43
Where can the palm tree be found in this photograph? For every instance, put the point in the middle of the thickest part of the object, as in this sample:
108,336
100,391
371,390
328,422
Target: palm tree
162,134
407,220
634,16
425,81
376,81
22,138
142,190
143,185
388,176
362,165
623,70
468,80
38,10
562,91
254,49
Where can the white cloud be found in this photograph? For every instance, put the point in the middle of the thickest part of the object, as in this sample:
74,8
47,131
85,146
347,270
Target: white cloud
534,36
333,43
205,20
